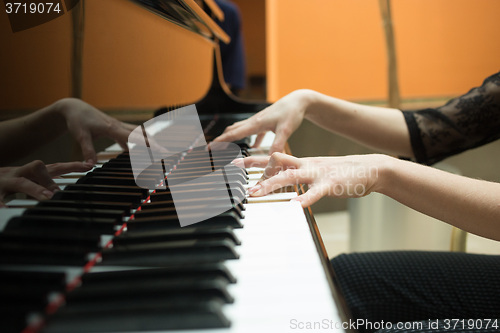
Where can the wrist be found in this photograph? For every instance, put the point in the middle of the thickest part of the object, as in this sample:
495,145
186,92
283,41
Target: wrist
52,114
386,169
63,106
306,100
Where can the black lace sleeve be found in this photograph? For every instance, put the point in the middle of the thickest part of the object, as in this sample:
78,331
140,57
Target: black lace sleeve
465,122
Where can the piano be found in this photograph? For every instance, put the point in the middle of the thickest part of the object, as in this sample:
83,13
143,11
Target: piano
105,255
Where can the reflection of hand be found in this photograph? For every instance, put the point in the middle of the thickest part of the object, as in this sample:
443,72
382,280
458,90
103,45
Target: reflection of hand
348,176
283,118
86,123
35,178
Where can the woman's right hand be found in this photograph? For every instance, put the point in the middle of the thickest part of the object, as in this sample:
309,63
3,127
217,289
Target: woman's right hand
282,118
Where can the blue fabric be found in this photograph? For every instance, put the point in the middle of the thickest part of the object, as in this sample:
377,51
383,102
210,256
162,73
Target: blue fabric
233,54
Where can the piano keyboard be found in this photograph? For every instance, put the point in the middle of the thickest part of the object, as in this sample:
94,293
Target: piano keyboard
104,255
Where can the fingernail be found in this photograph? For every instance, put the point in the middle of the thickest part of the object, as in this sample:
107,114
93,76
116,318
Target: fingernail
254,189
238,162
90,162
47,195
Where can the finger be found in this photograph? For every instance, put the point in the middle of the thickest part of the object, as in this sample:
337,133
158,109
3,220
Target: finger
87,146
129,127
235,125
279,162
240,132
282,135
256,161
24,185
258,140
312,195
123,145
58,169
285,178
120,133
36,171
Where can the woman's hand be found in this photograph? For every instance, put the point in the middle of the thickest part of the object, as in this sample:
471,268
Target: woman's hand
35,178
347,176
86,123
282,118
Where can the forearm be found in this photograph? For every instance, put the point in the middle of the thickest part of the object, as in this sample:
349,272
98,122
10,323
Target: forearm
22,135
383,129
470,204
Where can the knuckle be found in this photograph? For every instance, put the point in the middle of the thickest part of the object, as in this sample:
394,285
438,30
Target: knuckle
276,156
38,164
290,173
35,166
286,131
258,119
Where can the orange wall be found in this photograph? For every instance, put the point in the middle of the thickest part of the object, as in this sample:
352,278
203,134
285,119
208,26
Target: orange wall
444,47
34,64
132,59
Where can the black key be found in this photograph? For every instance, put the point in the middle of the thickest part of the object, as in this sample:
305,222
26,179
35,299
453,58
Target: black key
228,169
31,254
237,209
155,204
182,177
110,169
52,237
141,318
115,215
124,207
171,211
165,195
124,173
13,321
71,224
199,271
25,291
107,188
159,255
15,282
228,219
111,180
204,185
117,163
133,198
130,238
166,287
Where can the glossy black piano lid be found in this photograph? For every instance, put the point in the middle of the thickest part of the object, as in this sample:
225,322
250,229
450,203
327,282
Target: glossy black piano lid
219,99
